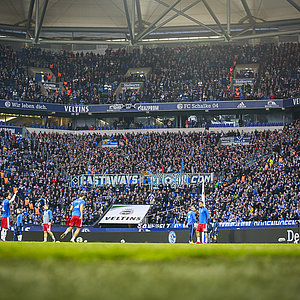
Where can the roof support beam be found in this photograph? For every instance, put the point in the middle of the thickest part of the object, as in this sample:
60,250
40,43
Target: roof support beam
29,16
244,30
38,31
216,19
159,41
133,18
228,17
145,32
128,21
293,3
262,35
248,12
174,16
37,9
139,14
182,13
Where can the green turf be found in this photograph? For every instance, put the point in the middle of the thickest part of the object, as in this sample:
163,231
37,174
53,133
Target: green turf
148,271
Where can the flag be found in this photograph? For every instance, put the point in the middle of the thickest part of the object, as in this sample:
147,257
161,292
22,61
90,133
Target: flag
203,193
145,173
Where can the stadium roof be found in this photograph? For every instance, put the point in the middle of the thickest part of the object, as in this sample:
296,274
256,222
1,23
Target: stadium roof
127,22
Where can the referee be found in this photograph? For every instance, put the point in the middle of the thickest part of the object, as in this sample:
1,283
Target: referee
190,221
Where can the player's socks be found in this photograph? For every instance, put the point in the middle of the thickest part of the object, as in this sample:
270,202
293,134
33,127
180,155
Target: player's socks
20,238
3,234
198,239
53,240
63,235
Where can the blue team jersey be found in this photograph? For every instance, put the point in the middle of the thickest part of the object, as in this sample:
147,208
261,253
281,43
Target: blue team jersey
191,218
215,227
203,215
20,220
5,209
76,207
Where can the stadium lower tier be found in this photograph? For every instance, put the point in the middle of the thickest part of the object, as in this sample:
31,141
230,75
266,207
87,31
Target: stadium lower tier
254,181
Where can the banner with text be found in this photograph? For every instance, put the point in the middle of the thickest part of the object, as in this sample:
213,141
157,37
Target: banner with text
180,179
23,106
173,180
125,214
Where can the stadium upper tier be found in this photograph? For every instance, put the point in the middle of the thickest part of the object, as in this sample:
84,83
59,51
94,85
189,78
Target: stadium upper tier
258,181
199,73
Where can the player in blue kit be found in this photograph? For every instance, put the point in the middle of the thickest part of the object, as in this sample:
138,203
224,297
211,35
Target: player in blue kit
215,230
47,220
18,227
190,220
203,222
77,216
5,220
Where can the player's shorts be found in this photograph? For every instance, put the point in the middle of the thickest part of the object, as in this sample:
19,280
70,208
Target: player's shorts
75,222
202,228
46,227
5,222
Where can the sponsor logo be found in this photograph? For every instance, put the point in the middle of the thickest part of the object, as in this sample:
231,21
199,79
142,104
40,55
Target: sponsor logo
148,107
172,237
76,108
258,224
126,218
7,104
127,211
85,230
118,107
201,105
242,105
292,237
271,104
296,101
281,240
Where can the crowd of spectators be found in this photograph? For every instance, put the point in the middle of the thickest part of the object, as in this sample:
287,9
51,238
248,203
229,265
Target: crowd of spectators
255,181
199,73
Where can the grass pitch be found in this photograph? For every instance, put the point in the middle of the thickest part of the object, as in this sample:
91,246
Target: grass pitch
148,271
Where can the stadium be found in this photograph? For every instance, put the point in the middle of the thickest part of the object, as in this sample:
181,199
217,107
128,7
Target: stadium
150,149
